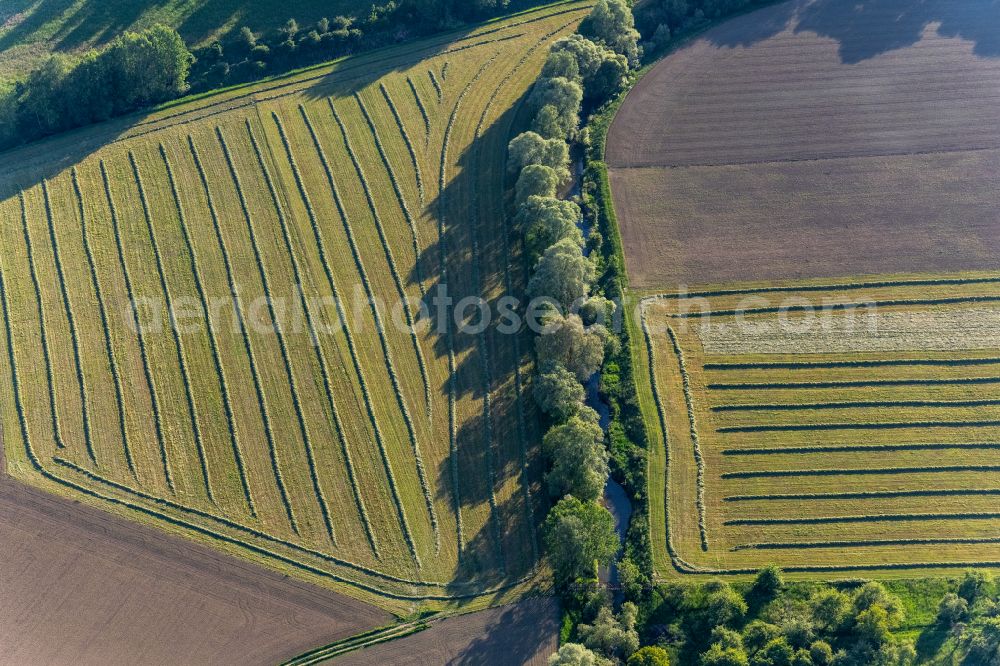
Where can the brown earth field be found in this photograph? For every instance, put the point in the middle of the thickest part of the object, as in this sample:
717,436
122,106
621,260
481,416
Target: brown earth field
815,139
81,586
522,633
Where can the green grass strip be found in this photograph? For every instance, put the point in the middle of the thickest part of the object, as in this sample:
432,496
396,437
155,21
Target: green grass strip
932,282
862,495
321,360
154,397
832,307
878,518
869,543
212,340
797,427
244,335
861,448
867,363
352,348
74,333
935,469
863,383
282,342
105,325
856,404
178,348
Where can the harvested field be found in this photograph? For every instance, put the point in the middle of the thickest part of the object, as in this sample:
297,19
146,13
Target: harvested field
213,320
125,594
863,137
834,458
523,633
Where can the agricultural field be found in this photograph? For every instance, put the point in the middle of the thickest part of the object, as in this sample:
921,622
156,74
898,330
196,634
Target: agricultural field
828,427
863,136
30,30
277,390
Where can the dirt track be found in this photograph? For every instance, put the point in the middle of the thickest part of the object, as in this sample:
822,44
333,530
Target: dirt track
523,633
815,138
80,586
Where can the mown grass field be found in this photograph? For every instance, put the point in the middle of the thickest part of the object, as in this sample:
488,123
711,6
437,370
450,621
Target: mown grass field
790,437
342,445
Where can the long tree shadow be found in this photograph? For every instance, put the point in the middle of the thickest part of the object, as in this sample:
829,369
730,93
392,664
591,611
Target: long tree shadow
515,636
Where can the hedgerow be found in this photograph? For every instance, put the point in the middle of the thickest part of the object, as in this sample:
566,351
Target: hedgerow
355,359
282,344
317,348
248,349
379,228
181,359
422,108
212,341
140,336
74,334
379,326
413,160
105,326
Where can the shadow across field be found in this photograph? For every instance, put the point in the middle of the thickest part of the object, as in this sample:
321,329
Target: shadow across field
870,28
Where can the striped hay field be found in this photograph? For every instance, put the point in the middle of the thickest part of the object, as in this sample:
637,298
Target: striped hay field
832,429
312,420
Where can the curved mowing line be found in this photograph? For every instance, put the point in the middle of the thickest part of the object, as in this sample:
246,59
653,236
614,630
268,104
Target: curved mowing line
873,494
213,343
423,110
74,334
936,469
178,348
864,383
859,404
317,348
407,312
449,335
248,349
154,397
436,84
793,427
355,359
282,343
861,448
882,518
871,543
105,325
46,354
893,302
875,363
413,159
699,460
379,325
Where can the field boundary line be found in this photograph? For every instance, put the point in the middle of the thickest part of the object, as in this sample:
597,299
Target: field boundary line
856,404
865,494
861,471
857,448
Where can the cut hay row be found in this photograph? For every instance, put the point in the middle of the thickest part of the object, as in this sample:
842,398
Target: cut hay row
212,340
317,348
413,160
699,460
866,363
379,324
422,108
868,543
178,348
449,334
861,448
866,494
355,359
877,518
140,335
436,84
793,427
857,404
407,311
282,343
834,307
863,383
74,333
43,327
444,70
863,471
245,337
105,325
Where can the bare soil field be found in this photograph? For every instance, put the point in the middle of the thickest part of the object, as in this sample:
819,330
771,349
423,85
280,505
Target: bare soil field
863,137
522,633
81,586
